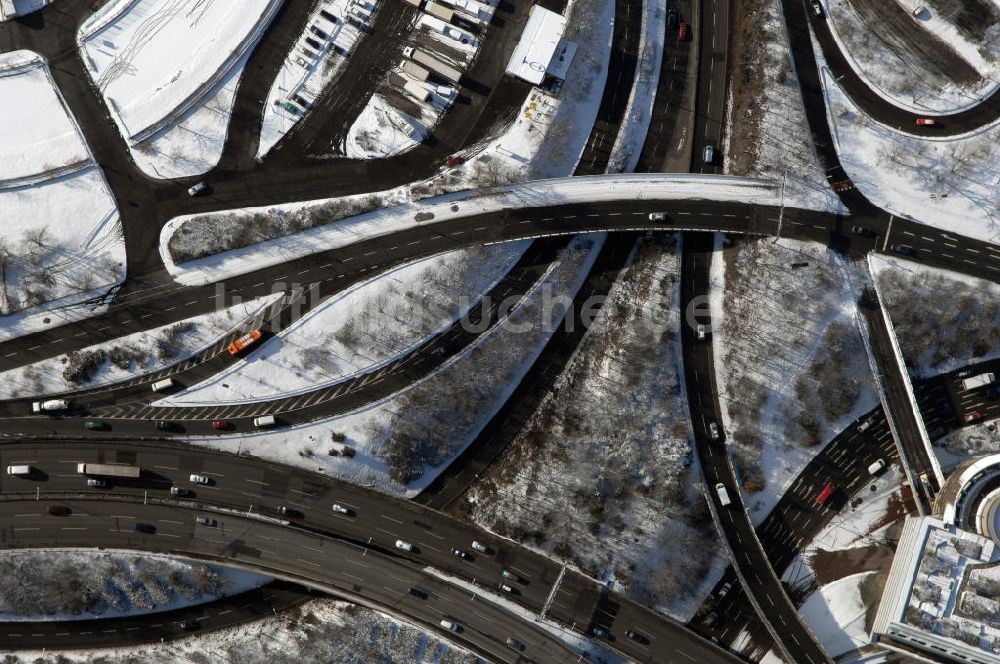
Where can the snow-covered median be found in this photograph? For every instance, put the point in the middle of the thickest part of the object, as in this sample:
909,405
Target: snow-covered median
789,359
77,585
360,329
404,441
164,64
948,183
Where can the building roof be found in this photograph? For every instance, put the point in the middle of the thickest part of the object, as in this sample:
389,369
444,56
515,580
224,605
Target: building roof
538,44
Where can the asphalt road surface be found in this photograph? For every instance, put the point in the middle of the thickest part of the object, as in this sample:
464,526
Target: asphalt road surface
252,491
757,576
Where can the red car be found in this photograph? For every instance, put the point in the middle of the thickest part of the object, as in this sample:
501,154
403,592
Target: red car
222,424
926,122
682,31
825,494
457,160
974,416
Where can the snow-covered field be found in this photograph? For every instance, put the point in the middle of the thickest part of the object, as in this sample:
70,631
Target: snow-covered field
320,632
77,585
900,78
836,614
168,71
948,183
767,135
37,134
403,442
126,356
789,360
59,228
459,205
364,327
920,298
604,476
306,72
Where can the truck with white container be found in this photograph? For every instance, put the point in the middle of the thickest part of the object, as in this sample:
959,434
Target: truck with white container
50,406
981,380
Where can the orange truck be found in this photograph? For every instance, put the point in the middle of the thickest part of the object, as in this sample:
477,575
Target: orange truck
244,342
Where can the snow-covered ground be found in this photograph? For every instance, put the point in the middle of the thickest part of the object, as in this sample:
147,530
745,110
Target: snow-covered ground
307,72
320,632
78,585
901,79
603,475
386,220
967,442
947,183
768,135
789,360
37,134
126,356
920,298
836,614
404,441
59,227
168,71
362,328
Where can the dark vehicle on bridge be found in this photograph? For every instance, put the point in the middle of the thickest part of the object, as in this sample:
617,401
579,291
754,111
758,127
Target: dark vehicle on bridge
514,644
862,231
637,637
95,425
59,510
147,528
290,512
164,425
418,593
600,632
903,249
671,18
459,553
190,625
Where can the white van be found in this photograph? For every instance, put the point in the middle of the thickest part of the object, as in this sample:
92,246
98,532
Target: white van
876,467
264,421
162,385
720,489
19,469
404,546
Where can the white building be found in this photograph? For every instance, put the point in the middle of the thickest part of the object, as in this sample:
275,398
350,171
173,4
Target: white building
541,51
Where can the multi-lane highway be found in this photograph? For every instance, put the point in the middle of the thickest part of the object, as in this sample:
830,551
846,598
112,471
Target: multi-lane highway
245,496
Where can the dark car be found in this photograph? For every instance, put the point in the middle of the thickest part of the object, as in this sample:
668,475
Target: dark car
164,425
600,632
312,42
319,33
147,528
328,16
514,644
671,18
59,510
95,425
903,249
636,636
290,512
464,555
418,593
190,625
862,231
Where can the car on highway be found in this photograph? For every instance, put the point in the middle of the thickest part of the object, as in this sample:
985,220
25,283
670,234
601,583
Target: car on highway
96,425
340,509
59,510
710,619
713,431
920,11
199,479
701,331
903,249
222,425
671,18
49,406
162,385
866,424
20,470
459,553
481,548
658,217
190,625
637,637
451,626
510,590
455,160
876,467
964,373
600,632
290,512
418,593
403,545
165,425
720,490
973,416
197,189
817,8
264,421
509,575
926,122
709,153
825,494
206,521
95,483
862,231
724,590
244,342
682,31
146,528
514,644
179,491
